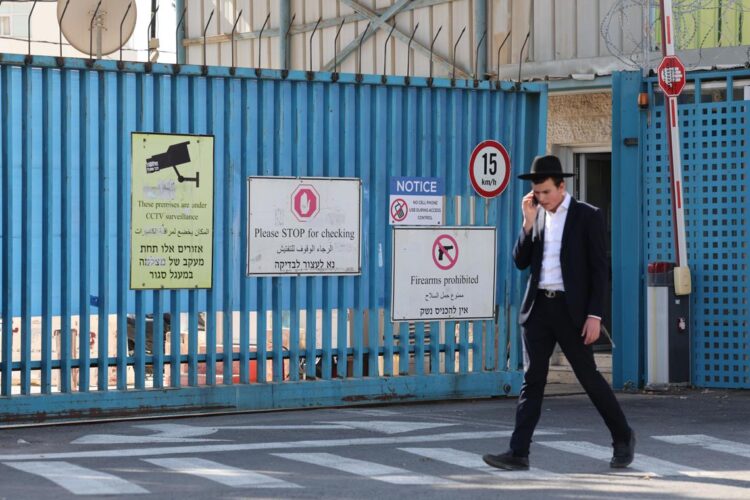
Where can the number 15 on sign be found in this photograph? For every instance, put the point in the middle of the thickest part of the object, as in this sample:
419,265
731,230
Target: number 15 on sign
489,169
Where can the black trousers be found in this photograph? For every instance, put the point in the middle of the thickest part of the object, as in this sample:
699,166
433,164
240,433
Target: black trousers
550,323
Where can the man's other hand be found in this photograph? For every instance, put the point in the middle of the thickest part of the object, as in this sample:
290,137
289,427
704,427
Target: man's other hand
591,330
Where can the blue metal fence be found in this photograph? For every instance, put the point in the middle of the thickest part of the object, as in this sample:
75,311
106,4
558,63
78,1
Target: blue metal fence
714,119
247,342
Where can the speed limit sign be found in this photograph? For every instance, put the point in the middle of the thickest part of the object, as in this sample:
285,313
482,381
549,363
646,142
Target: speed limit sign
489,169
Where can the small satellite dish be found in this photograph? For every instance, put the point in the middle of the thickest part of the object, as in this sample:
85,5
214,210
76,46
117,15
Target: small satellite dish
106,26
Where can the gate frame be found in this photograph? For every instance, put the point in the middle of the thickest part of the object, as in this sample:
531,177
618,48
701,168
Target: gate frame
273,395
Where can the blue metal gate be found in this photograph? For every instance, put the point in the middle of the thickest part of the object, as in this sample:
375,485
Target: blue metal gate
715,128
77,342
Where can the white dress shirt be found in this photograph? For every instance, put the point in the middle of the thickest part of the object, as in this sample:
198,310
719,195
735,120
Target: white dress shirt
554,222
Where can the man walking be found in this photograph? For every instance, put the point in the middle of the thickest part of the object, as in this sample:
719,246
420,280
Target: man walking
563,241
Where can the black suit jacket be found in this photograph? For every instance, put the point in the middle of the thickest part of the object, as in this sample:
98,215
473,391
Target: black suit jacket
583,258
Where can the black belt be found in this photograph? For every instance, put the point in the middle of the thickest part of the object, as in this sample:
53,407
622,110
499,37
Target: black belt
552,294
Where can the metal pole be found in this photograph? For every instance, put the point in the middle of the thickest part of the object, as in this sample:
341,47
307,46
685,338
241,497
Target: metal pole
480,27
260,41
336,47
154,10
28,28
520,58
286,36
359,49
179,33
673,137
151,33
385,47
311,39
498,53
431,46
455,45
204,37
284,10
91,30
477,70
408,52
59,24
123,22
234,28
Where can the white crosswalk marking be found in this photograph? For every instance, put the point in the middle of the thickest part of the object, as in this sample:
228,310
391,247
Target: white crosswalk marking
372,470
642,462
220,473
709,443
78,480
474,461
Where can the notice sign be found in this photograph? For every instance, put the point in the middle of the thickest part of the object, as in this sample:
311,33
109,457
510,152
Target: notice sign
172,211
303,226
416,201
443,273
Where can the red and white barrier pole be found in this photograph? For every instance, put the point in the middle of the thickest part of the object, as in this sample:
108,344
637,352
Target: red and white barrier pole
672,75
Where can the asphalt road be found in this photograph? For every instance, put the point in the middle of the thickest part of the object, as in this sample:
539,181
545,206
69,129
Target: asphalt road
693,444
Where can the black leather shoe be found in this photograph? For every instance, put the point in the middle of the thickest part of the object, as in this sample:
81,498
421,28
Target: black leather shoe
507,461
624,453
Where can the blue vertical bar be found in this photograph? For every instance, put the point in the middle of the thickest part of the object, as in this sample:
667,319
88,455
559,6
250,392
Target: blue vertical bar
108,136
257,103
464,146
439,159
6,86
157,341
289,152
380,249
336,169
192,338
404,131
51,158
181,125
70,154
627,236
318,168
425,136
144,122
285,152
174,339
125,124
304,153
215,126
90,149
232,186
26,148
359,151
273,144
483,207
201,90
508,311
453,191
246,125
348,168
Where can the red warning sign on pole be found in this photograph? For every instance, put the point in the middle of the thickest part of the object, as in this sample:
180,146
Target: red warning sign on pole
671,74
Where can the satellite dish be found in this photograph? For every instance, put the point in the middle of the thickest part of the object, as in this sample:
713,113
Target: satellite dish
106,27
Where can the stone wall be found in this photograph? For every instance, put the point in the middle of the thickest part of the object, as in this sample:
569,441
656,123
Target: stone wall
579,120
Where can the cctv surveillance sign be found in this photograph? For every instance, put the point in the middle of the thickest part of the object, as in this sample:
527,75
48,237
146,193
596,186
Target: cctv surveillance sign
172,211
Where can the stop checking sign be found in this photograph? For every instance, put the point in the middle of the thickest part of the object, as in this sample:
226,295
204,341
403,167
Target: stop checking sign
671,73
305,202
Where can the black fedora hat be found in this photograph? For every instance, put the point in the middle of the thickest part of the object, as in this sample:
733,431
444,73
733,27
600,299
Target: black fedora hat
544,167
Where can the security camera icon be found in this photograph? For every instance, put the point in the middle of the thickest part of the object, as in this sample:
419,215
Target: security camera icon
176,154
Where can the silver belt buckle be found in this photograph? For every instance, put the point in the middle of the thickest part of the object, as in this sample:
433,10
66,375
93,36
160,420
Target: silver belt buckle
550,294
